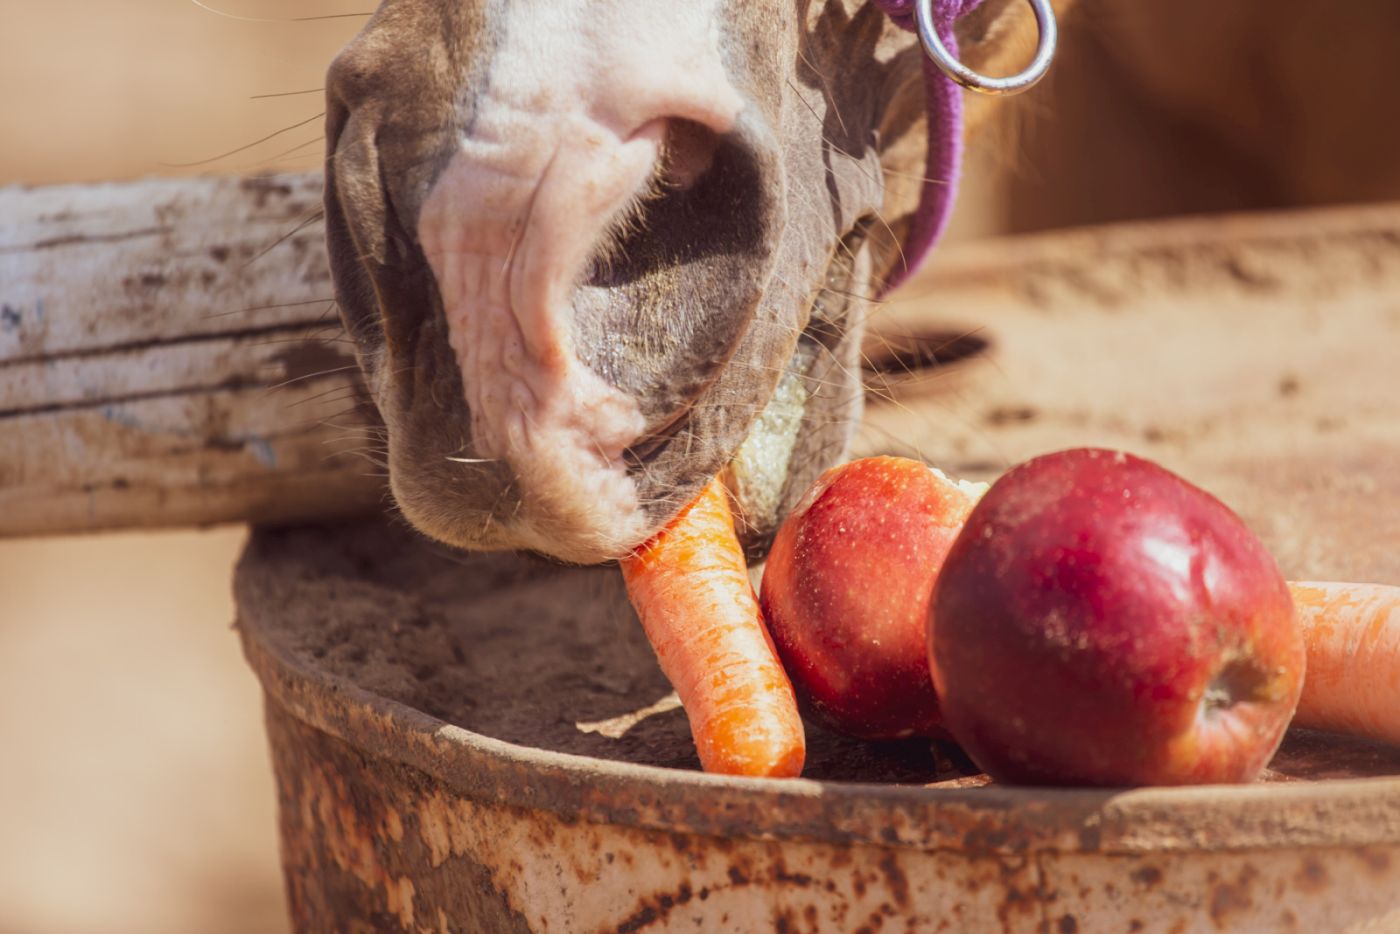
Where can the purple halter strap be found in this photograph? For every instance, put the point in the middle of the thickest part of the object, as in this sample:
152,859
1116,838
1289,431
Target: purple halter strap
945,147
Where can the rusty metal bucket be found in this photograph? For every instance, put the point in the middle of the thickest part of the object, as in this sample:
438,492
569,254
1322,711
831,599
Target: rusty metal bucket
423,715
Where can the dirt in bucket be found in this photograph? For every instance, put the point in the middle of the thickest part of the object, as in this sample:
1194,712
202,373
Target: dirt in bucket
546,656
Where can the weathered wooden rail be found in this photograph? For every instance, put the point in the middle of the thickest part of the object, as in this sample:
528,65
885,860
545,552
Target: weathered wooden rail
170,354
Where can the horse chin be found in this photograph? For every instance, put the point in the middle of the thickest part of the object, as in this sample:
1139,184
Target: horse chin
759,473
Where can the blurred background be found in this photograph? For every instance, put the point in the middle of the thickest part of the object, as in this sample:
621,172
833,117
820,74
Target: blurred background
135,792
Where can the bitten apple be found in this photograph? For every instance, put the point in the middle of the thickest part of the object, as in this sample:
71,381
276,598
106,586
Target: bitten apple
1100,621
846,588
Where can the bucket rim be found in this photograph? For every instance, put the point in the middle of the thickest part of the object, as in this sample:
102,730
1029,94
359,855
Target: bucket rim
1002,820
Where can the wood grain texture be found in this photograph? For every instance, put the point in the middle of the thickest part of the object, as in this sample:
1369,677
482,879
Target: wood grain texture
170,355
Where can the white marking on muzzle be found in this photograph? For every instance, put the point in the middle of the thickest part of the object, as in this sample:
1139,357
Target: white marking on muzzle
565,137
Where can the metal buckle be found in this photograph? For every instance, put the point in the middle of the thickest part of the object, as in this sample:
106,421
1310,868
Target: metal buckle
1015,84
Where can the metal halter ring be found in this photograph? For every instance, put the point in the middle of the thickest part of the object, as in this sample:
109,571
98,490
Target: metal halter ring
1015,84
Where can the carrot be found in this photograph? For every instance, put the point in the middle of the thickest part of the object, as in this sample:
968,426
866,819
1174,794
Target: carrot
1352,632
691,588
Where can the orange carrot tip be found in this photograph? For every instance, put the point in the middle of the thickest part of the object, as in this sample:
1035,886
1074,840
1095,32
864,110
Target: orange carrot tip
1352,633
691,589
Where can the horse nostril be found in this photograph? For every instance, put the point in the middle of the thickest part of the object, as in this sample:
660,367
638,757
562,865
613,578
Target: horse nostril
706,207
688,153
661,313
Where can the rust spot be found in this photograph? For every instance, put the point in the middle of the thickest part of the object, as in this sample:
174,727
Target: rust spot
799,879
1015,902
1311,876
583,875
1147,876
876,923
1378,861
737,876
1228,898
642,917
1135,925
981,840
895,877
220,254
1069,924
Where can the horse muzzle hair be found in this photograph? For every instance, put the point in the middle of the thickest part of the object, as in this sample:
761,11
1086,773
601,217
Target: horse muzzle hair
593,253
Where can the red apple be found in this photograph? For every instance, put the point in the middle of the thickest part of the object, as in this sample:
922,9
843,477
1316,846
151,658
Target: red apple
846,589
1100,621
